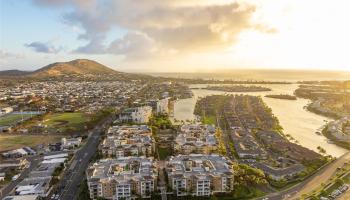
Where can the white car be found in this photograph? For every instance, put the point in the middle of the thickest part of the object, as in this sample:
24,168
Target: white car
15,177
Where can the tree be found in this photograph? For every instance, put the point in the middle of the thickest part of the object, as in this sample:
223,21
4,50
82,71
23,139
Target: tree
248,176
83,192
339,181
323,193
321,150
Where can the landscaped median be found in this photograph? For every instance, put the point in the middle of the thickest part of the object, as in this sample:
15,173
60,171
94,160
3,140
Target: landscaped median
162,127
334,186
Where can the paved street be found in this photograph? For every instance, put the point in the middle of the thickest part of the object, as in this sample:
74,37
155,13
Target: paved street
322,176
311,183
75,175
345,196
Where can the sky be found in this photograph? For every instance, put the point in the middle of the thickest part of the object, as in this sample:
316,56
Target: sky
177,35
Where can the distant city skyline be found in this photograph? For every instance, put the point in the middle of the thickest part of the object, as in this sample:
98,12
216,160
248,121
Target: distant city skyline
177,35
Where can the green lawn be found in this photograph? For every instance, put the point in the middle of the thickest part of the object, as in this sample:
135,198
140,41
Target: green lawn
9,142
333,183
243,192
164,153
12,118
65,122
331,189
347,179
209,120
161,121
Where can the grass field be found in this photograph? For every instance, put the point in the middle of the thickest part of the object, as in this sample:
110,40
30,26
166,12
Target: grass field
244,192
12,118
209,120
347,179
9,142
164,153
65,122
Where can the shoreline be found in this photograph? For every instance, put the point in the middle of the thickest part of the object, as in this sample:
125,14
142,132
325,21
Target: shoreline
281,96
329,136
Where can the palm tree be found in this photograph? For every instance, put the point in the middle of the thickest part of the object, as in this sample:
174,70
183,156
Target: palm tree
321,150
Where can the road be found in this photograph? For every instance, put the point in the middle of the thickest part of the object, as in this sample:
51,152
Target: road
311,183
345,196
74,176
34,162
322,176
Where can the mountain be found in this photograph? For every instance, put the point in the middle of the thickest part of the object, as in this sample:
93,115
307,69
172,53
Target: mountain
71,68
74,67
80,69
14,73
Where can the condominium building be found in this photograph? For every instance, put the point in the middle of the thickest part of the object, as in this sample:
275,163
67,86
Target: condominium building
160,106
123,141
122,178
196,138
199,174
246,145
136,115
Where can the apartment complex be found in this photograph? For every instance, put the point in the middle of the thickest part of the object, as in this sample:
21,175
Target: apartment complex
340,129
126,140
246,145
136,115
160,106
196,138
200,175
122,178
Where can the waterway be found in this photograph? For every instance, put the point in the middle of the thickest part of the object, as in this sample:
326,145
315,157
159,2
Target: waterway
293,117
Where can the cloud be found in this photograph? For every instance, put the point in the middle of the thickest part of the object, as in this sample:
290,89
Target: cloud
133,44
94,46
43,47
5,56
156,26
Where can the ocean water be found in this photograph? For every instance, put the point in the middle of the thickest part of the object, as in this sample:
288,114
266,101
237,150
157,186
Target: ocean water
266,75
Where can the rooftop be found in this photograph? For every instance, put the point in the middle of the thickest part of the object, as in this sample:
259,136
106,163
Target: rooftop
122,168
199,164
